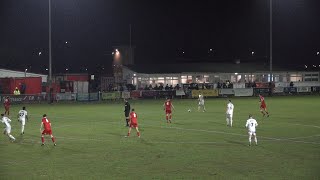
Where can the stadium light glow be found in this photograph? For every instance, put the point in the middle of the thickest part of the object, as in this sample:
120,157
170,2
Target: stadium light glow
236,73
318,53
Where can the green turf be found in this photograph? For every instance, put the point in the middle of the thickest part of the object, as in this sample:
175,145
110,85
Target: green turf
91,142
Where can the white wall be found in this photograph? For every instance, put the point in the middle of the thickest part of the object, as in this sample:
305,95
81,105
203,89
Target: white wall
4,73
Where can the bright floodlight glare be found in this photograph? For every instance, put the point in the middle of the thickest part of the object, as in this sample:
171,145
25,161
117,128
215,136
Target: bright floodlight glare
67,69
26,70
66,42
318,53
252,52
46,69
40,53
235,73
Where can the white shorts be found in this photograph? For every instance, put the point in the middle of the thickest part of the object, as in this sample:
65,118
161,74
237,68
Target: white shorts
22,121
252,133
7,129
201,103
229,116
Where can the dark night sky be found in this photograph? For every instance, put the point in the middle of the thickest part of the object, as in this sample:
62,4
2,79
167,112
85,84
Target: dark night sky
161,30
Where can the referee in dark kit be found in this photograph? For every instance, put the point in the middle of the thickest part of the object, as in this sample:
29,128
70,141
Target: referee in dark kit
127,111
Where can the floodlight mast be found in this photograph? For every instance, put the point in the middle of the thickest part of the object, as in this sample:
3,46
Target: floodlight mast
50,55
270,60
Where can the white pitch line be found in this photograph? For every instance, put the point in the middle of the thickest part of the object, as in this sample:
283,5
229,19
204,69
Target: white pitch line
303,137
305,125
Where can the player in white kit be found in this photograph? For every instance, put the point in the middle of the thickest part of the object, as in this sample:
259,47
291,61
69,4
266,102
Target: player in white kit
229,113
251,126
22,117
201,103
7,130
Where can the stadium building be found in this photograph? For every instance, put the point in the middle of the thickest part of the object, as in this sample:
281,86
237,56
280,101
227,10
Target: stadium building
240,74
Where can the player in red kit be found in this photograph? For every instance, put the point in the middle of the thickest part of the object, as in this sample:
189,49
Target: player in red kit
45,129
7,104
168,109
133,123
263,106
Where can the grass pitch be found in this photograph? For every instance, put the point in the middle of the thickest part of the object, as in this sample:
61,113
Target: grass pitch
91,143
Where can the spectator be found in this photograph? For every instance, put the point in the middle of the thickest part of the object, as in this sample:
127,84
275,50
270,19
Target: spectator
167,87
161,87
150,87
218,85
171,88
156,87
146,87
291,84
177,87
254,85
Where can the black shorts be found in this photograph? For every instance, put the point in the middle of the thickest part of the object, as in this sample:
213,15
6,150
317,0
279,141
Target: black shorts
126,113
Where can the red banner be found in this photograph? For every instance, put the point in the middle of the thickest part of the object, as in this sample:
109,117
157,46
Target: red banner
135,94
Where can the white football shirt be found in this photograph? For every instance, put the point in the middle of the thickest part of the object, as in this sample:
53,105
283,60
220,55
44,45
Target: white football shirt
6,121
23,114
251,125
230,108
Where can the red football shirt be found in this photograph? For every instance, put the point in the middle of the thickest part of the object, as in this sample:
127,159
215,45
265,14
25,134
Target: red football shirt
168,105
262,101
133,117
46,124
6,102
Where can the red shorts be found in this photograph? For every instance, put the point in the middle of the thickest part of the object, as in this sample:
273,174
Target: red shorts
263,106
47,132
168,111
133,125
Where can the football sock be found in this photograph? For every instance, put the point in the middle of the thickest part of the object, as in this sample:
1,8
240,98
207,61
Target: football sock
167,117
255,140
42,140
138,133
22,129
250,139
11,137
170,117
230,122
52,138
128,134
